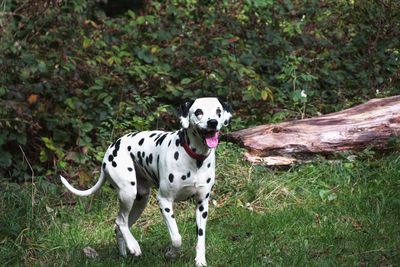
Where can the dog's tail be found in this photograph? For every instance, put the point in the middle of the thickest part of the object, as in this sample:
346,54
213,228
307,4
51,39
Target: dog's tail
88,192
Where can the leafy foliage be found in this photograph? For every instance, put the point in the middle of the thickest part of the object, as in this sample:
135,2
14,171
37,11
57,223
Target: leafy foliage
74,78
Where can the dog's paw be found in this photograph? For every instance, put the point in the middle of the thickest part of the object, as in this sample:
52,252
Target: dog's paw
134,249
200,262
172,252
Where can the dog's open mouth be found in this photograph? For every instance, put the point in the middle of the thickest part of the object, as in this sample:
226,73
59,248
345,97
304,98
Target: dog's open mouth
210,137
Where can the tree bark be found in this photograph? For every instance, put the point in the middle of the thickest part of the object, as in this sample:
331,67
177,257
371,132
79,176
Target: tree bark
371,124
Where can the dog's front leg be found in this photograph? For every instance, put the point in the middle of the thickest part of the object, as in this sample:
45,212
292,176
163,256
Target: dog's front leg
201,221
169,218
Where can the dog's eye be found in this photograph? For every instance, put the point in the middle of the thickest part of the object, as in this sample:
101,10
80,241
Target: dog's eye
219,113
198,112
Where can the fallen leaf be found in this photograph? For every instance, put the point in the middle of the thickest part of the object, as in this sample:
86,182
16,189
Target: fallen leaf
90,253
71,155
357,225
33,98
48,209
233,39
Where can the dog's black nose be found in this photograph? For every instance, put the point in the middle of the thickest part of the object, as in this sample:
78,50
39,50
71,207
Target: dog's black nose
212,124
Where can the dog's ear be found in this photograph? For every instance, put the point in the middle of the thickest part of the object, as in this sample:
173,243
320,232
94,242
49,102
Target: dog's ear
227,114
183,113
225,106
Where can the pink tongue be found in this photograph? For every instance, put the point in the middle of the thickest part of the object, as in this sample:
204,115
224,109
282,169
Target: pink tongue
212,141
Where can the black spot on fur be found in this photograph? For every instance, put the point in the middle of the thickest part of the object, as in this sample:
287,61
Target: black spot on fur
177,142
110,158
129,148
130,169
153,134
143,153
167,210
133,134
113,144
171,177
172,216
208,180
209,165
132,156
104,165
114,164
183,177
208,195
117,145
200,232
201,208
151,158
176,155
188,174
181,135
160,141
199,163
133,183
141,142
204,215
169,143
139,154
158,136
147,161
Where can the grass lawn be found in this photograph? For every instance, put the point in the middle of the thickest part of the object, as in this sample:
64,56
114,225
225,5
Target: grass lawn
344,212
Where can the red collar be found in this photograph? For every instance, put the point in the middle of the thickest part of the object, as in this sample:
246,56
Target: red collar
191,153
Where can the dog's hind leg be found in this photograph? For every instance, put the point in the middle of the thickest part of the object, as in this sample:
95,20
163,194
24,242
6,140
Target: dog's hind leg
142,198
125,238
125,181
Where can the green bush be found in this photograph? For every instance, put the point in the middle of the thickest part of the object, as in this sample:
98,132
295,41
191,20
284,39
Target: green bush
73,79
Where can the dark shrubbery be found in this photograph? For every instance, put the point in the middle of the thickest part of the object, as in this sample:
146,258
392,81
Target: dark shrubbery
72,79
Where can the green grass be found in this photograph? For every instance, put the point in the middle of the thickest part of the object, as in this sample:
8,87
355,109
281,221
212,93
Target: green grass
320,214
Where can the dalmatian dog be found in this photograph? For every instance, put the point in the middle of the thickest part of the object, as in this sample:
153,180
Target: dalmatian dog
180,164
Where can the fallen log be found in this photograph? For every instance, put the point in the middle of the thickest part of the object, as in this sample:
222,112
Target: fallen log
371,124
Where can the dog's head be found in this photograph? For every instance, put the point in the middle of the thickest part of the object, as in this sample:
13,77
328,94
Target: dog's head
206,116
